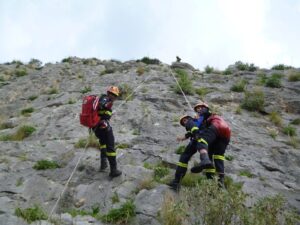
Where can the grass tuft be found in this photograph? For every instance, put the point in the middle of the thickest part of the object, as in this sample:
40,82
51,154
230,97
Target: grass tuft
253,101
239,86
45,164
31,214
184,82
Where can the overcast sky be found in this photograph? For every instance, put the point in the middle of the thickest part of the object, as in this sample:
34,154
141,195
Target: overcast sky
201,32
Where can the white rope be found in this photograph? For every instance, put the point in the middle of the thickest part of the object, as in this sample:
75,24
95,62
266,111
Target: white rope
125,100
182,92
68,181
85,148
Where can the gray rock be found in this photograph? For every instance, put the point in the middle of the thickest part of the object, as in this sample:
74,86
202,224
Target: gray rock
182,65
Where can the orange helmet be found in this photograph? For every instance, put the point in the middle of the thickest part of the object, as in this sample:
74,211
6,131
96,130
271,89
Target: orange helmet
114,90
184,117
201,104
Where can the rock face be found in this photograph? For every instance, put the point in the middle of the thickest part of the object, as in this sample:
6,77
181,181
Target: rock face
147,125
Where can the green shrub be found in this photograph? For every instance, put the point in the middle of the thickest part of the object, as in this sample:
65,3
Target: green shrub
140,70
121,215
148,61
228,71
184,82
276,119
45,164
293,141
115,198
238,110
71,101
262,79
31,214
32,97
27,111
209,69
281,67
294,76
94,212
289,130
91,140
253,101
18,62
274,81
126,92
67,60
246,173
108,71
241,66
160,172
239,86
122,146
22,133
21,72
252,67
53,91
202,91
85,90
180,149
229,157
148,166
192,180
296,121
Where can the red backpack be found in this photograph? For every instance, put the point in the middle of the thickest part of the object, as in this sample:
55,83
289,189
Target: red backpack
89,115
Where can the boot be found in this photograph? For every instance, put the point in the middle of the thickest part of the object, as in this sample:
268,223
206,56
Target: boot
174,185
103,164
221,182
204,164
114,172
179,174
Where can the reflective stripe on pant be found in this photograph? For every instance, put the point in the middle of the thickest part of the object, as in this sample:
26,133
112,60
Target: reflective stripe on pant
185,157
103,151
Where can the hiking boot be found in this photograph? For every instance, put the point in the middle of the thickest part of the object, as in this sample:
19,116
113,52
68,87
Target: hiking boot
204,164
174,185
103,165
115,173
221,183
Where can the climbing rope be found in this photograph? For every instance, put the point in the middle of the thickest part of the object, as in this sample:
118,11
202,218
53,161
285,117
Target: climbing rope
182,92
85,148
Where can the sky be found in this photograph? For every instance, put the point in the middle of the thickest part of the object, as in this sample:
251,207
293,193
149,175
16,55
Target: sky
201,32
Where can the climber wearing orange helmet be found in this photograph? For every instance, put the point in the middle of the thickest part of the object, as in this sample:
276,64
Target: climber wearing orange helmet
192,128
104,132
215,137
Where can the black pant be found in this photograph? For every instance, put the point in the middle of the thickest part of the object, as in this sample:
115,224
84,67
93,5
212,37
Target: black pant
185,157
107,144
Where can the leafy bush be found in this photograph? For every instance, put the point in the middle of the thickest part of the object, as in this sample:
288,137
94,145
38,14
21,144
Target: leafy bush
203,91
276,119
289,130
253,101
239,86
85,90
229,157
45,164
209,69
31,214
148,61
91,140
184,82
140,70
94,212
160,172
262,79
27,111
180,149
246,173
22,133
121,215
294,76
281,67
21,72
32,97
228,71
245,66
122,146
296,121
274,81
53,91
108,71
126,92
67,60
192,180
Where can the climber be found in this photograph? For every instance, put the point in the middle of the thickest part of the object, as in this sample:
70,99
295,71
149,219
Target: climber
214,138
104,132
193,133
